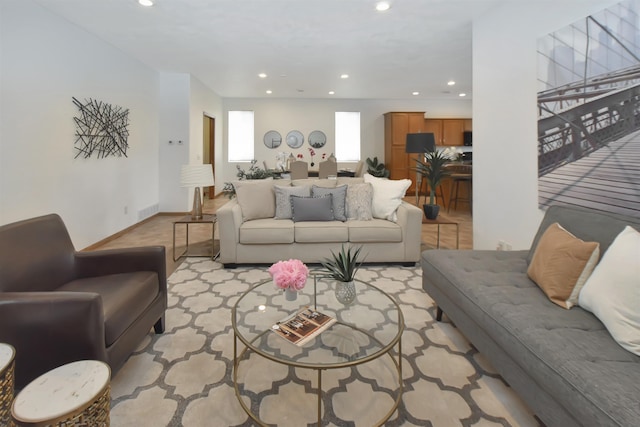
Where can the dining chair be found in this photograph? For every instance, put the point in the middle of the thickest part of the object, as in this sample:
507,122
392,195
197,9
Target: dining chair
299,170
327,168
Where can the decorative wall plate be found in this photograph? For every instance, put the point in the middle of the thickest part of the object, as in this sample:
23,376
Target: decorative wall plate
317,139
272,139
295,139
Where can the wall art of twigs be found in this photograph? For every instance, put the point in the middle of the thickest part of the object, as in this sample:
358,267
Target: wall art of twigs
101,128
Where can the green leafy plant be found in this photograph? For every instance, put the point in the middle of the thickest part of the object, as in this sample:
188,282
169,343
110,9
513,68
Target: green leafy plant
376,168
254,172
343,265
433,170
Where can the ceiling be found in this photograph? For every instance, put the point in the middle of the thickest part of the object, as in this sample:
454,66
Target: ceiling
302,45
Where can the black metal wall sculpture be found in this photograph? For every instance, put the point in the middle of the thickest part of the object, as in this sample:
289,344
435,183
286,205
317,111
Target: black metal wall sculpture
101,128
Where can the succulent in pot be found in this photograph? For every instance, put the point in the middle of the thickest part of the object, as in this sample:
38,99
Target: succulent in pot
342,267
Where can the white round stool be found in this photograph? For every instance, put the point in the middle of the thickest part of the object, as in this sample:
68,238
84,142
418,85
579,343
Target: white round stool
7,370
75,394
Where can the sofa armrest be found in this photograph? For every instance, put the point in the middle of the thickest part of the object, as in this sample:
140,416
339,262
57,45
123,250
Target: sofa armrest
229,222
126,260
410,220
49,329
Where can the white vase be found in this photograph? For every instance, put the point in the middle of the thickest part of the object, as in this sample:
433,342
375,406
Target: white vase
290,294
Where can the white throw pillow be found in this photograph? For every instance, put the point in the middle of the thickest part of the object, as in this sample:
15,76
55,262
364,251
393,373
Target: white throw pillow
612,292
387,196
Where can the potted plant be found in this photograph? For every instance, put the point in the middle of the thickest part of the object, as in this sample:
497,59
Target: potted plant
434,171
377,169
343,267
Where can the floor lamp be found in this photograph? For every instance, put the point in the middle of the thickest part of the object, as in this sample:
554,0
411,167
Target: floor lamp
196,176
420,143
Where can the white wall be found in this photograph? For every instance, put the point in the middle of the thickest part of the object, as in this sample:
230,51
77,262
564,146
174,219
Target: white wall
45,62
307,115
505,163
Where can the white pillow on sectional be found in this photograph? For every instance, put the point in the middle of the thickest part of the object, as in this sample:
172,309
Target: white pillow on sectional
612,292
387,196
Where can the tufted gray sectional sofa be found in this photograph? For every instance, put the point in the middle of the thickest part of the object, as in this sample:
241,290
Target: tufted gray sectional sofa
563,363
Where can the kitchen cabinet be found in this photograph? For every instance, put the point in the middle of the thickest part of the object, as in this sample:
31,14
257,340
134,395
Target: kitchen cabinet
396,127
448,131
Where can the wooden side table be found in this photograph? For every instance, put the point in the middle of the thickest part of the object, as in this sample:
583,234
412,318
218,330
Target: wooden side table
441,221
186,220
7,381
75,394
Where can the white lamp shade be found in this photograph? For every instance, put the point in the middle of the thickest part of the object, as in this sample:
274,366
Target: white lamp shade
196,176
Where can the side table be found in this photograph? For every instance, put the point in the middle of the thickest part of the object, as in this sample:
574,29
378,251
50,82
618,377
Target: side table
7,380
75,394
441,221
186,220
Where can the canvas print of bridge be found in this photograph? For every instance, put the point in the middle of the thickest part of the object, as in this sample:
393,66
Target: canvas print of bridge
589,112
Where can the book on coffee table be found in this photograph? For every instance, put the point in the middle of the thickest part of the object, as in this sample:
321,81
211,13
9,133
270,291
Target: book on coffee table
303,325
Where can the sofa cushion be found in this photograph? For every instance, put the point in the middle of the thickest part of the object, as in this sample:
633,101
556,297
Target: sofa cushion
339,196
283,199
387,196
568,353
561,265
312,208
256,198
376,230
326,183
358,201
124,298
266,231
612,292
321,232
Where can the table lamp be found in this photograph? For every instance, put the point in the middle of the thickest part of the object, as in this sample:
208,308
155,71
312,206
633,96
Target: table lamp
420,143
196,176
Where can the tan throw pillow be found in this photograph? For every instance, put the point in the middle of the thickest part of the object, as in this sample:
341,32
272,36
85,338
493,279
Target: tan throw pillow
256,198
561,265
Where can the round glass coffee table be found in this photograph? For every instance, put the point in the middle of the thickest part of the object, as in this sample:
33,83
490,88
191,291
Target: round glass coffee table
369,324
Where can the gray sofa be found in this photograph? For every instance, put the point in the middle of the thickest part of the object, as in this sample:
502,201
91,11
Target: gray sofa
563,363
268,240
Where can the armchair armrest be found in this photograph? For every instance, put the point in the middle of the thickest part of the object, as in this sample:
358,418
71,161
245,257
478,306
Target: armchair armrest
126,260
49,329
229,222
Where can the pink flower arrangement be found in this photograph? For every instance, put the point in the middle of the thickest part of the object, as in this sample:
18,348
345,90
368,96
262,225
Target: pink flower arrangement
290,274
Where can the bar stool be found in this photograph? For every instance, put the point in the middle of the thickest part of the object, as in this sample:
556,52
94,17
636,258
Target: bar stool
460,174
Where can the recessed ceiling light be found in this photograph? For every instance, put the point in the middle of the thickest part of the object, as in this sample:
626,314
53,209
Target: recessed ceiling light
146,2
269,92
262,75
451,82
331,92
462,94
415,93
344,76
382,6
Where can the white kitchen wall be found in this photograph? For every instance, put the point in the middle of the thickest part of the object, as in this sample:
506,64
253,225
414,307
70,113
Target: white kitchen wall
45,62
505,171
307,115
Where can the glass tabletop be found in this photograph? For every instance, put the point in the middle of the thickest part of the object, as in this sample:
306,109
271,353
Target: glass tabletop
366,327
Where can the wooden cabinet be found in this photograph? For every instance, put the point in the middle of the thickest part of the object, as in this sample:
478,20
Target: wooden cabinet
396,127
448,131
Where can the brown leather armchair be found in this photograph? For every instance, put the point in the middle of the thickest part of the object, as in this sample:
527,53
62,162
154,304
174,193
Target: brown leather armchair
58,305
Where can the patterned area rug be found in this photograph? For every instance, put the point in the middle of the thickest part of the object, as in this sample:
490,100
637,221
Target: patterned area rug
185,376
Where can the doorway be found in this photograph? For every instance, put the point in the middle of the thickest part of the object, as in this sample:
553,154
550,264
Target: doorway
208,148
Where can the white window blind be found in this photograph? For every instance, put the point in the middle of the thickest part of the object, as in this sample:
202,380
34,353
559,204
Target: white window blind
347,136
241,139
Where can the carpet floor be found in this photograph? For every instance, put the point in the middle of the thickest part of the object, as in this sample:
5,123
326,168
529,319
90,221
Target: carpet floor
184,377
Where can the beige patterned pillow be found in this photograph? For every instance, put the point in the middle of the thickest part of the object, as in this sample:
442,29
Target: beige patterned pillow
283,199
561,265
358,204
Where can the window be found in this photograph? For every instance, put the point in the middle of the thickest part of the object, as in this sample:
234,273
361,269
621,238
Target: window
241,137
347,136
